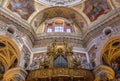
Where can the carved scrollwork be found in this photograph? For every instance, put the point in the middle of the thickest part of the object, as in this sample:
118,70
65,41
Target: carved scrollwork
59,49
45,63
56,72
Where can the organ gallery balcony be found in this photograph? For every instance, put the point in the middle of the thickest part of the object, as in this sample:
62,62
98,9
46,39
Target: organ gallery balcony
59,65
60,74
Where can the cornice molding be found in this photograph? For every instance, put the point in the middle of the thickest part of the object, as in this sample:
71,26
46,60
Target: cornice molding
19,26
95,29
111,19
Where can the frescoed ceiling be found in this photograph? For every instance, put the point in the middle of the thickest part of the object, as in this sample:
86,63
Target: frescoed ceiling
59,2
23,7
116,3
62,12
92,8
29,11
95,8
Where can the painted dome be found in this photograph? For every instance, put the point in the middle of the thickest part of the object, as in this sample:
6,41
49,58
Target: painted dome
59,2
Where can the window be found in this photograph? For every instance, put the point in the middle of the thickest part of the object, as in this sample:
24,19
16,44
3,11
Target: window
68,30
59,29
49,30
59,25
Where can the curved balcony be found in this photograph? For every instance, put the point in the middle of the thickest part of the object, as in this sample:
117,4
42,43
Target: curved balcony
60,74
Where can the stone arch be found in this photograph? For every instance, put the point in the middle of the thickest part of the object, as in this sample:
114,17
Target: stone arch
110,49
9,54
53,12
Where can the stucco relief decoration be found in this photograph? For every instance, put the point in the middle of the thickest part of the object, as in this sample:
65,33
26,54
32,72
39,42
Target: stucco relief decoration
79,60
22,7
92,54
27,56
116,3
37,59
95,8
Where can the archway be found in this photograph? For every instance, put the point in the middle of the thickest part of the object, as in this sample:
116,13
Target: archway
53,12
110,54
9,53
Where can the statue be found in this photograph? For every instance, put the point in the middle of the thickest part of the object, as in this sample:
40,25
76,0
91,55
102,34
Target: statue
45,63
76,63
59,51
50,56
65,43
69,57
54,44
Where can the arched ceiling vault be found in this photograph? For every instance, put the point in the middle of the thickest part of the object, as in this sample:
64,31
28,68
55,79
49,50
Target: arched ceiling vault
63,12
6,4
79,13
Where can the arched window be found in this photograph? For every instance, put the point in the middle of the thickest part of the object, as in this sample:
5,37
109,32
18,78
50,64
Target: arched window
68,30
59,25
49,29
59,28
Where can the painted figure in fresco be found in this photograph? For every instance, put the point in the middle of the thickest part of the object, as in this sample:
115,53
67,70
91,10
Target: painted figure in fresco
23,7
118,1
95,8
97,11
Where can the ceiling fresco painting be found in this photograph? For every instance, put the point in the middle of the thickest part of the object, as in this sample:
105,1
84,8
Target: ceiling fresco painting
59,40
22,7
59,12
95,8
118,1
60,2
